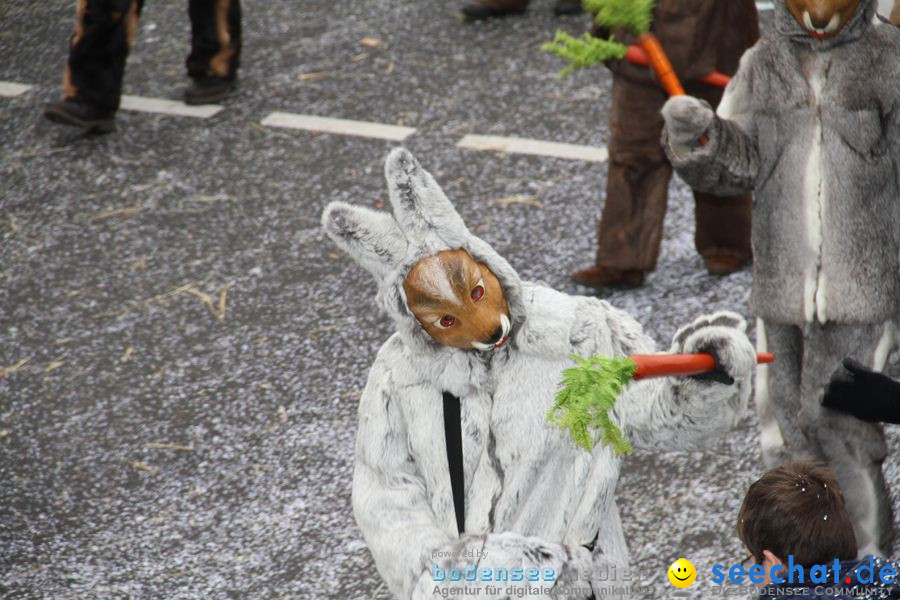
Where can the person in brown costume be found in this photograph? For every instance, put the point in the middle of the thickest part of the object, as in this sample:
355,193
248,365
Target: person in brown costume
699,36
484,9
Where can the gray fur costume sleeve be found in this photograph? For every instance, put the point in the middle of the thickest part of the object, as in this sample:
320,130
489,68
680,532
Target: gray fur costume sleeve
532,498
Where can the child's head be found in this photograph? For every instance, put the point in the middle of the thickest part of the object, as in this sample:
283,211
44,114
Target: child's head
796,509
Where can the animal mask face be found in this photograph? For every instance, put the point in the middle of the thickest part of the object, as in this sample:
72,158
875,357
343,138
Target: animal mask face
823,18
458,301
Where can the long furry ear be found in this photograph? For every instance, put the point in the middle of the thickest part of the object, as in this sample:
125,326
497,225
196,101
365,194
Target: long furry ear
372,238
420,206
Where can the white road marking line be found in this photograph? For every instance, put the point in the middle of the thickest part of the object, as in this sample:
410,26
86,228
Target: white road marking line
10,89
168,107
765,6
394,133
525,146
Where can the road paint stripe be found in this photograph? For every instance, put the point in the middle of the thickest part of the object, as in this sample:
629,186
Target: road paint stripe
765,6
394,133
168,107
513,145
10,89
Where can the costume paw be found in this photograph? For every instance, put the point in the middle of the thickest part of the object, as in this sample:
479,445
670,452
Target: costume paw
722,335
687,119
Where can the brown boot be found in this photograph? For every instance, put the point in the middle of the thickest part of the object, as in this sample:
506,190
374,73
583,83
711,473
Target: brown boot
723,264
600,276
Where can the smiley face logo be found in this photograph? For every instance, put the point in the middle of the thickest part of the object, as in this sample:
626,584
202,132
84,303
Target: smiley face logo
682,573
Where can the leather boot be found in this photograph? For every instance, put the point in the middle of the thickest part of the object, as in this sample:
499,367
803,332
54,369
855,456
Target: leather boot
599,276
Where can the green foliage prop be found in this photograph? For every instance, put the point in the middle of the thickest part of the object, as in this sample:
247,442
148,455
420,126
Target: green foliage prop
635,15
588,392
583,52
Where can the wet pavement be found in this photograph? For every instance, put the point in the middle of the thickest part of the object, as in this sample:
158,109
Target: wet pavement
183,349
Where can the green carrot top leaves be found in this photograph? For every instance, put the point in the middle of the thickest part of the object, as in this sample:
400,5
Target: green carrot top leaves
588,392
583,52
635,15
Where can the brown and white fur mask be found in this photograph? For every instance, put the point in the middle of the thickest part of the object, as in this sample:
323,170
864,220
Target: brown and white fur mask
443,286
823,19
458,301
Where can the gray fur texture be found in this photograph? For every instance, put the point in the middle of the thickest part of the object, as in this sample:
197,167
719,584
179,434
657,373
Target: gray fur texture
687,118
813,127
799,428
533,499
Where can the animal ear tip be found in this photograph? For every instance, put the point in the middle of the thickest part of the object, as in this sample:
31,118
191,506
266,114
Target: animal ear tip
400,159
329,212
334,217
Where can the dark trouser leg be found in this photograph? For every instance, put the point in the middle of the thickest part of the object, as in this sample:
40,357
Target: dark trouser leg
104,31
723,225
854,449
215,38
630,228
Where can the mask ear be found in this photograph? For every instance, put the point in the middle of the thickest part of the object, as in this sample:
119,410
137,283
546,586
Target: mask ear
372,238
420,206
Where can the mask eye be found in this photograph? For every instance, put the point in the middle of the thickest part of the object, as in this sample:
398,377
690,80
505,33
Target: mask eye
478,291
445,322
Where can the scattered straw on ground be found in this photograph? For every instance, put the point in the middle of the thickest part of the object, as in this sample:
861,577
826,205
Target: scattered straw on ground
125,212
16,367
529,200
142,467
169,446
314,75
53,365
223,296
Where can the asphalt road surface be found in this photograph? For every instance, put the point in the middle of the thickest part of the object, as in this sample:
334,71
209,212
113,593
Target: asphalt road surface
182,349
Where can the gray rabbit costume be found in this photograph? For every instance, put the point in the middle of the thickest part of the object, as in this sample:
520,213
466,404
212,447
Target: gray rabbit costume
532,498
812,126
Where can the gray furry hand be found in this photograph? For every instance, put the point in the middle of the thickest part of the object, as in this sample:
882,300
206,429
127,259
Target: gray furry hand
687,119
722,335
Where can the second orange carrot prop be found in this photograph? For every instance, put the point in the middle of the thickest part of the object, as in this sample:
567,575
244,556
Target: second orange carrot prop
661,64
638,56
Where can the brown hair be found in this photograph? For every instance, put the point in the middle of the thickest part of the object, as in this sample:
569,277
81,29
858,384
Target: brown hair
797,509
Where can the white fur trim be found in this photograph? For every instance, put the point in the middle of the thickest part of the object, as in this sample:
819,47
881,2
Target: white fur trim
771,440
884,347
814,198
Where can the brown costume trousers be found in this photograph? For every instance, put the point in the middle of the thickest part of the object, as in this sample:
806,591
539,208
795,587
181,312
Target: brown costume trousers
631,226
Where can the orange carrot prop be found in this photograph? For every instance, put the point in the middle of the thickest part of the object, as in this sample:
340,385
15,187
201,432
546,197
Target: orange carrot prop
638,56
589,391
660,64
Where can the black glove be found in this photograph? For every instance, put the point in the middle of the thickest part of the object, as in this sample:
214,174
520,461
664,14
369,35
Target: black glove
719,375
863,393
